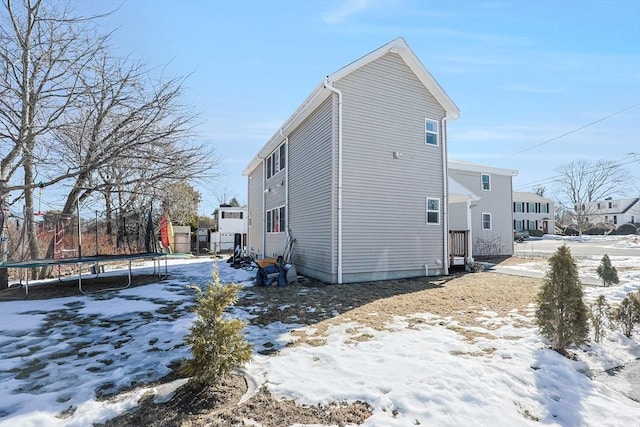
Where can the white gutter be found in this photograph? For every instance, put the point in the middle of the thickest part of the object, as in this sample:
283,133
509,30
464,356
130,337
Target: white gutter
445,203
328,85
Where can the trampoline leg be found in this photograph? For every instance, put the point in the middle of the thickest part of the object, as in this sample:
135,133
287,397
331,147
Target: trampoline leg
128,284
80,279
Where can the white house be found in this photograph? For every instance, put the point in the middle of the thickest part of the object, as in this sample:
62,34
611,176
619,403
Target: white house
231,220
614,211
533,212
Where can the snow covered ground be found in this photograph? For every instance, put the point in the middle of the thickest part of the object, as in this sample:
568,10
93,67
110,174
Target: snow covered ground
58,356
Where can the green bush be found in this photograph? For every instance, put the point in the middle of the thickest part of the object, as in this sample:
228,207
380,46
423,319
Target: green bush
561,314
627,313
217,344
600,316
626,229
536,233
607,272
596,231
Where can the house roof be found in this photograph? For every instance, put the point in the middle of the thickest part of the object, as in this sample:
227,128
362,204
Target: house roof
524,196
320,93
475,167
459,193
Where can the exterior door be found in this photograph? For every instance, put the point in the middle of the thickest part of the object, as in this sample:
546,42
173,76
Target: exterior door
545,227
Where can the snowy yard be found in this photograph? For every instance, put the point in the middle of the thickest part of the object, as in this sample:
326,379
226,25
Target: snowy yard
58,357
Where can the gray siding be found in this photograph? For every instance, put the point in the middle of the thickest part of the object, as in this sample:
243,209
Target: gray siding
275,197
497,202
256,211
311,201
458,216
385,234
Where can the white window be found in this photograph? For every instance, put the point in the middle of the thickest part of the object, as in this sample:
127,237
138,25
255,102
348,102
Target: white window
433,211
544,208
531,207
276,161
486,182
517,224
486,221
276,220
430,132
518,207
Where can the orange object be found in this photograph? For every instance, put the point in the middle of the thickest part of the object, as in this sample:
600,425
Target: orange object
266,261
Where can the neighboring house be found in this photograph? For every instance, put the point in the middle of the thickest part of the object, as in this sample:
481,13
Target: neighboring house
616,212
230,220
533,212
357,175
489,208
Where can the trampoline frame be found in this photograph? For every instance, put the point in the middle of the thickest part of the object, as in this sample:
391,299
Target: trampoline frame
96,260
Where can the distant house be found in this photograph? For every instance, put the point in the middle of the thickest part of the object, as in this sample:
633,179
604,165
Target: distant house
533,212
229,221
357,175
614,211
489,208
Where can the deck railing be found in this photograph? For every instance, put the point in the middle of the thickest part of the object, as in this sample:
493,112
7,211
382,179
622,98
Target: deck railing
458,244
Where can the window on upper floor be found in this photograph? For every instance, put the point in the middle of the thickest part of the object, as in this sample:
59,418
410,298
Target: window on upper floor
531,207
486,221
544,207
518,207
276,161
431,134
485,179
433,211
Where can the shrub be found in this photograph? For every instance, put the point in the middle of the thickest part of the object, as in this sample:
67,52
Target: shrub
607,272
627,314
600,315
626,229
217,344
536,233
597,231
561,314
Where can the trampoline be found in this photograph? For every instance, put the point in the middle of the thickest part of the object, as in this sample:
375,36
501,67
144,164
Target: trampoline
96,260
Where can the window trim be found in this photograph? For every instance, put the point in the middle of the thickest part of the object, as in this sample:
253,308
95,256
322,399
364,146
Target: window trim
432,211
276,161
428,132
482,175
490,221
278,213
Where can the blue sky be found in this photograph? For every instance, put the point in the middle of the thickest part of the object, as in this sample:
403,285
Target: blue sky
521,72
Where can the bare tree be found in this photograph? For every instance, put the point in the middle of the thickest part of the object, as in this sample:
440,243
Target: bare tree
71,115
540,190
42,50
129,139
582,182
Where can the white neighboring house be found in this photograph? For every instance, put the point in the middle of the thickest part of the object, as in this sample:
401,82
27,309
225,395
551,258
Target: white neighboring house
614,211
533,212
231,220
489,206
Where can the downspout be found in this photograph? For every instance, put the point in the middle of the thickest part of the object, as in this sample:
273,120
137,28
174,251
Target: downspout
445,197
286,187
470,258
264,209
328,85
